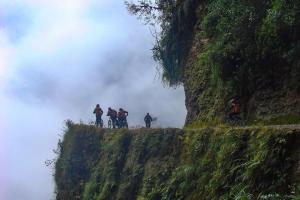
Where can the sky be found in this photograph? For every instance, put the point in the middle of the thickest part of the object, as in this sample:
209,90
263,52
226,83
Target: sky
58,59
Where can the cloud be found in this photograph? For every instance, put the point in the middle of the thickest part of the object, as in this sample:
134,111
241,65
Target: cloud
60,60
15,20
6,52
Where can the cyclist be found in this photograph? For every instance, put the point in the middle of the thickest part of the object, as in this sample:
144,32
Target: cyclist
98,112
113,116
235,110
122,118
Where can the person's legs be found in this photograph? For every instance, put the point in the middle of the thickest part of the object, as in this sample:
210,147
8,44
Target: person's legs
118,123
114,122
98,121
236,116
148,125
121,123
231,116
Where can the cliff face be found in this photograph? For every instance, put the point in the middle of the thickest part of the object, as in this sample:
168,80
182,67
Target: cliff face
244,49
219,163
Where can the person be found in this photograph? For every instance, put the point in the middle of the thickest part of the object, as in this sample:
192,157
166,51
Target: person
122,118
98,112
235,110
113,116
148,119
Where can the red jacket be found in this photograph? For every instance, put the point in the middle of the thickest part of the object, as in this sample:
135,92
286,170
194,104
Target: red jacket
236,108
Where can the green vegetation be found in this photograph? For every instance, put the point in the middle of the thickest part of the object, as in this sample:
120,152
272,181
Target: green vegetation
78,154
170,164
278,120
251,40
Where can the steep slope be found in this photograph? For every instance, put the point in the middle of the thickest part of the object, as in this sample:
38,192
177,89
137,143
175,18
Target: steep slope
220,163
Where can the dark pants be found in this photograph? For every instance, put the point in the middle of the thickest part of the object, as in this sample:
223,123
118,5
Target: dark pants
234,116
99,121
114,121
122,122
148,124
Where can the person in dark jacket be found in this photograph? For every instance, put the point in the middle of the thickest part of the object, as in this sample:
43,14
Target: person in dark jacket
113,116
98,112
122,118
148,119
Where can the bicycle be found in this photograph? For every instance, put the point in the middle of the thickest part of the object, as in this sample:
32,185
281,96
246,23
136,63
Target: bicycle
234,120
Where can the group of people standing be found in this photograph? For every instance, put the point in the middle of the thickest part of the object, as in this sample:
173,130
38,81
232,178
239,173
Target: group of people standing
116,119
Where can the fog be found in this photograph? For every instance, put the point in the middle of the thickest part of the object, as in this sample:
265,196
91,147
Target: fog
58,59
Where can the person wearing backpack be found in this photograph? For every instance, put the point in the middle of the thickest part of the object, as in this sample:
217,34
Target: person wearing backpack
122,118
98,112
148,119
113,116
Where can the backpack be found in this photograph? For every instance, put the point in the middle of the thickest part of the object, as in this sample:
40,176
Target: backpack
236,108
121,114
114,113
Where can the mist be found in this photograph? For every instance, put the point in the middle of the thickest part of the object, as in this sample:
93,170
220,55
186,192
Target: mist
60,59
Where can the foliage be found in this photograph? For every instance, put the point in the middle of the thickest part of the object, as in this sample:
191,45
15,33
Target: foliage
249,38
152,11
176,20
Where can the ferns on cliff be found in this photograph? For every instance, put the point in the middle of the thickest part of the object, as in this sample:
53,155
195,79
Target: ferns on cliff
251,38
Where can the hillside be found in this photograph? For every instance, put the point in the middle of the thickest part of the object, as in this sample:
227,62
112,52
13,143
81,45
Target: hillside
208,163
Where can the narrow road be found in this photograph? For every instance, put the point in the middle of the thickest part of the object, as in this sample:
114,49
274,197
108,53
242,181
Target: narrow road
288,126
